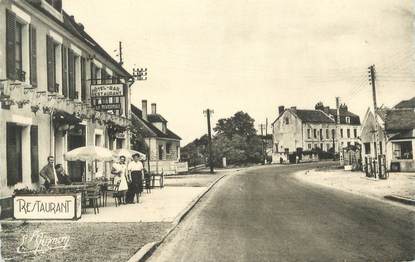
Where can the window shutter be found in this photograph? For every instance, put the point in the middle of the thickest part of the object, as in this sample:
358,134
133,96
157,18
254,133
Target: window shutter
32,48
10,44
14,154
50,63
34,153
64,71
71,74
83,79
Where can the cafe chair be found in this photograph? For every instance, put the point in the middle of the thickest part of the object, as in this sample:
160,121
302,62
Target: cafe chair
117,195
159,178
92,196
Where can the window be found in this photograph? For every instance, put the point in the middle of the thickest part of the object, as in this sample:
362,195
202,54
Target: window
321,146
341,133
14,153
402,150
327,134
52,56
160,152
321,134
315,133
18,52
83,79
347,120
287,121
328,147
355,133
276,147
333,133
168,148
367,148
348,133
308,133
72,68
348,144
309,146
57,4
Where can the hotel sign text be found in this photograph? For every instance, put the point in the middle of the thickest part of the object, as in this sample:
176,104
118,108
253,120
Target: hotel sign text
107,90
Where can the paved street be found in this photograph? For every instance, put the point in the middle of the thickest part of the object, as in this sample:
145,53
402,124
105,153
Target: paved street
268,215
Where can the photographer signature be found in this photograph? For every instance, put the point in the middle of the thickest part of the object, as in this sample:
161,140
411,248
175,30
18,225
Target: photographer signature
39,243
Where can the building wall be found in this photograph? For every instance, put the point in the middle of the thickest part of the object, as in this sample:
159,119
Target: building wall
321,140
287,136
48,143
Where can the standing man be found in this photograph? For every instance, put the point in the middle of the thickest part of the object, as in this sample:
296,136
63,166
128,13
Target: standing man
48,173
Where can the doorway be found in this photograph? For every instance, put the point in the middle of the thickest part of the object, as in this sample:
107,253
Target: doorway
76,138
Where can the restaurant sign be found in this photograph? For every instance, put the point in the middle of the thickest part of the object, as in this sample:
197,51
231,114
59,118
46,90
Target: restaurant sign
107,90
104,107
47,206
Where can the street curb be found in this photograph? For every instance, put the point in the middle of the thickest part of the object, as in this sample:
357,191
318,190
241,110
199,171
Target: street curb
147,250
401,199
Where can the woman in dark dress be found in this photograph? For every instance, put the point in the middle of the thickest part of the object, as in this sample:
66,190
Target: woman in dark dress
135,169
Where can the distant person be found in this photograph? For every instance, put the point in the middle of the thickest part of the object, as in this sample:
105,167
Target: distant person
48,173
63,177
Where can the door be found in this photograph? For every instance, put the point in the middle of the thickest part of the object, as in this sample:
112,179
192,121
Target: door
14,154
76,138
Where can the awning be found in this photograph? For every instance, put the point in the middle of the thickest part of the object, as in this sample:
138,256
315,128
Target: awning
64,117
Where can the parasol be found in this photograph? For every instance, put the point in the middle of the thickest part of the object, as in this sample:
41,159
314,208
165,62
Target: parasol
128,153
89,153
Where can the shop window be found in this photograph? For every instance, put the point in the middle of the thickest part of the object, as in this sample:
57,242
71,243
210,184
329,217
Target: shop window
403,150
14,154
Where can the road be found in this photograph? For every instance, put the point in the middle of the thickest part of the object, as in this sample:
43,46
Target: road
268,215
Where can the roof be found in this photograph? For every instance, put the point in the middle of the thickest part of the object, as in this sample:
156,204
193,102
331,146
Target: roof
151,128
354,119
154,118
406,103
400,119
312,116
78,31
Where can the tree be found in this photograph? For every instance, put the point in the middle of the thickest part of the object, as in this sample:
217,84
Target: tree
239,124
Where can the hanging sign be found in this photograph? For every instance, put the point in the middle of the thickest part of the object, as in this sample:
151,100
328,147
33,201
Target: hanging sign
104,107
107,90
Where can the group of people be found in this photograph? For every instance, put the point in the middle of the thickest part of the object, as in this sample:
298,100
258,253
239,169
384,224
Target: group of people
129,179
54,174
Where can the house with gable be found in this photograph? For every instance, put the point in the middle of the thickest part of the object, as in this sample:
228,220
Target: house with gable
162,144
391,133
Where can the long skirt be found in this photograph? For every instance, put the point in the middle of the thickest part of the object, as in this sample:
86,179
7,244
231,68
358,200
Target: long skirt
136,182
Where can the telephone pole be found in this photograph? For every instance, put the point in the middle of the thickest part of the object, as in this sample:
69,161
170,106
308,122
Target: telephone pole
120,50
372,80
208,112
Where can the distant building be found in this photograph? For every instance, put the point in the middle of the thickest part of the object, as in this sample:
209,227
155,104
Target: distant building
163,144
297,130
395,129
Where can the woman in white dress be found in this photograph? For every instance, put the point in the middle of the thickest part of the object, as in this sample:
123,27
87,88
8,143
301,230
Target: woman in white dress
119,170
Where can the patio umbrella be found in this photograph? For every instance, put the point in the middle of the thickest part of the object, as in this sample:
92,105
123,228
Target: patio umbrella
128,153
89,153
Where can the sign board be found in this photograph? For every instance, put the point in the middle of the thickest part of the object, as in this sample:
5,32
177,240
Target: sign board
121,135
181,167
107,90
47,206
105,107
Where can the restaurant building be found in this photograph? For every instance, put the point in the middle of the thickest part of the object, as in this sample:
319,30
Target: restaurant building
59,90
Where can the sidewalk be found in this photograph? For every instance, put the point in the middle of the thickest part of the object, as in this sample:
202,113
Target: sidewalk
116,233
401,184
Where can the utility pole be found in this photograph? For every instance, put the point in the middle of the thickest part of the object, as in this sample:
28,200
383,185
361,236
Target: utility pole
207,112
261,126
372,80
120,50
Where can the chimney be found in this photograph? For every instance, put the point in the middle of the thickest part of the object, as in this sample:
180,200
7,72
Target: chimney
144,109
153,108
294,108
281,110
338,109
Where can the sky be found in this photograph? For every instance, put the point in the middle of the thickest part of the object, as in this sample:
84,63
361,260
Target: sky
255,55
